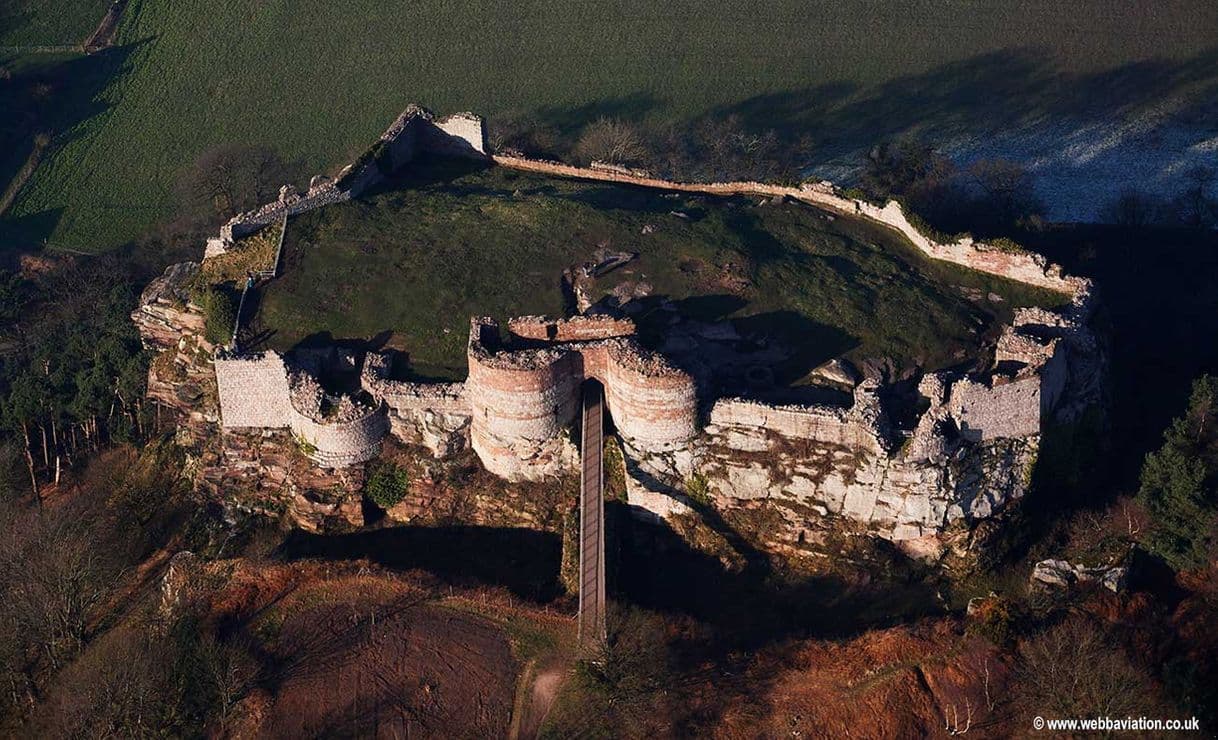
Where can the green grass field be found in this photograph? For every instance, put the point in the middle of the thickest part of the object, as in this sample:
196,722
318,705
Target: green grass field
318,80
452,242
36,23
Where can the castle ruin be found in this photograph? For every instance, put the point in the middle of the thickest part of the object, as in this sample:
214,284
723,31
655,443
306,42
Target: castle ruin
968,451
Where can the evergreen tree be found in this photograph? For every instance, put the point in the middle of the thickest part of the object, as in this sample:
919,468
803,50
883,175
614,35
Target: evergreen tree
1179,482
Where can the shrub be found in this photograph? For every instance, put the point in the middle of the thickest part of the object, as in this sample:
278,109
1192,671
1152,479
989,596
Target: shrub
1074,669
994,619
698,489
219,314
925,229
387,485
1004,244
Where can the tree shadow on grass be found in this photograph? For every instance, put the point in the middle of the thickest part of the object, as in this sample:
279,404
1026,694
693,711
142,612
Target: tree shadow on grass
992,92
56,99
28,232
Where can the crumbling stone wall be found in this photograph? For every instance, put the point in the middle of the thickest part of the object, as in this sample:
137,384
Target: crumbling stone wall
1026,267
461,134
1006,410
574,329
820,466
256,391
415,129
435,415
826,424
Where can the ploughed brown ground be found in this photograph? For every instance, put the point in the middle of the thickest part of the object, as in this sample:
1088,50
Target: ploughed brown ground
412,671
370,656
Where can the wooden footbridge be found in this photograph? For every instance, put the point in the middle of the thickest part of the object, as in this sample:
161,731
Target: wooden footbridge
592,632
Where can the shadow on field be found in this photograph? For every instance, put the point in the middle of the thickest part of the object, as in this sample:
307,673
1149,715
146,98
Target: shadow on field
994,92
750,356
431,170
568,121
524,561
52,98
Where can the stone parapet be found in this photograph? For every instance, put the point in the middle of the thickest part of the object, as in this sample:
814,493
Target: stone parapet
574,329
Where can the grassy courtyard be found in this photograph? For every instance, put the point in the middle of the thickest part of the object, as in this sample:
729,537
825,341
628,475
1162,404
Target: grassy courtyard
409,265
317,80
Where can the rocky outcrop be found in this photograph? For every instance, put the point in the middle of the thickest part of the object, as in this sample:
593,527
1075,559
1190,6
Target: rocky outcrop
1063,574
181,381
165,312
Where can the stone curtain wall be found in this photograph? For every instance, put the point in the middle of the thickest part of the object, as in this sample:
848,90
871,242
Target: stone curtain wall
817,465
827,424
1026,267
1007,410
414,130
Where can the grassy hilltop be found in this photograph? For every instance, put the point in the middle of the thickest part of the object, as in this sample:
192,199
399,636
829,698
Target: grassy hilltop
316,80
451,241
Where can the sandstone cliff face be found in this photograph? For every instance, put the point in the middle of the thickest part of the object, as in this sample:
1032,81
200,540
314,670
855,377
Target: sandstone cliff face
816,491
181,381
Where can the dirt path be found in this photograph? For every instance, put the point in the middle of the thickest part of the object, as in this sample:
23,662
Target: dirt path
103,36
41,142
539,701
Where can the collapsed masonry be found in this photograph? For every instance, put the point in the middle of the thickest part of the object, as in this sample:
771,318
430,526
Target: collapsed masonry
966,454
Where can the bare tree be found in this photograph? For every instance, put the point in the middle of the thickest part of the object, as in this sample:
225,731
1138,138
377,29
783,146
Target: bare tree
1006,188
228,179
1197,209
1074,670
229,670
611,140
1132,208
523,133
